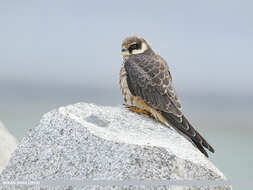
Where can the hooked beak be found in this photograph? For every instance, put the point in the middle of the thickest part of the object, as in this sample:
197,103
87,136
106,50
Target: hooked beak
123,49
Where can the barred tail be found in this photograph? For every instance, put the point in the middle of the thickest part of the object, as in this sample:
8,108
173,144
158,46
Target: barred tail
182,125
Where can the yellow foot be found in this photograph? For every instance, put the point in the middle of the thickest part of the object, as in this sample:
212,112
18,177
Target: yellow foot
137,110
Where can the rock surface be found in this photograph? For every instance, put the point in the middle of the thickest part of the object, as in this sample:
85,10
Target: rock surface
85,141
8,143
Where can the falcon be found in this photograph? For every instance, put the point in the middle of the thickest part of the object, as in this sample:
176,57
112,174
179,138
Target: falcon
146,84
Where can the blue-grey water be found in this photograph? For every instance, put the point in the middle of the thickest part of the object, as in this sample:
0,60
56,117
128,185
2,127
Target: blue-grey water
224,119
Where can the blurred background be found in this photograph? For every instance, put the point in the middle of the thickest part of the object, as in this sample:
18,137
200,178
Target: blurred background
55,53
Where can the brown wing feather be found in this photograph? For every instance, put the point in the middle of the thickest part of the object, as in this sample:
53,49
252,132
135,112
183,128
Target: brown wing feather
149,78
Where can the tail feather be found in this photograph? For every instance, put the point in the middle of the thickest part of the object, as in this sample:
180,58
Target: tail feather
182,124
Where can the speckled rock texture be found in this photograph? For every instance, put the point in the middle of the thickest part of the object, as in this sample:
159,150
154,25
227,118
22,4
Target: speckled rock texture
8,143
85,141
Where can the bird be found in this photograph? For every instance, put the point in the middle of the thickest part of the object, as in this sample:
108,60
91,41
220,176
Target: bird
146,83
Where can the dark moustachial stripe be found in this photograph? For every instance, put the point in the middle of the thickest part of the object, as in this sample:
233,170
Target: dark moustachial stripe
134,46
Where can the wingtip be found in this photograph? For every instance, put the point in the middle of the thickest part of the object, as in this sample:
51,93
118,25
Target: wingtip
211,149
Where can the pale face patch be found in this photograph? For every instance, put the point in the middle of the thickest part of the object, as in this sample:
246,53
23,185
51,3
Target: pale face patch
126,51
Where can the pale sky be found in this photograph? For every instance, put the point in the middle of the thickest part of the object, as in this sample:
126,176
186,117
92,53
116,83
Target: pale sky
207,44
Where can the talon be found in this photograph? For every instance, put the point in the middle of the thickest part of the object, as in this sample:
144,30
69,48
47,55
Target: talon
137,110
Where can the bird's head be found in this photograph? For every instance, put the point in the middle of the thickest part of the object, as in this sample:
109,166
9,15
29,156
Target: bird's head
134,45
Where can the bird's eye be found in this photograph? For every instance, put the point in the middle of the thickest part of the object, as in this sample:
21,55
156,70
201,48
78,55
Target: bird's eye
133,47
